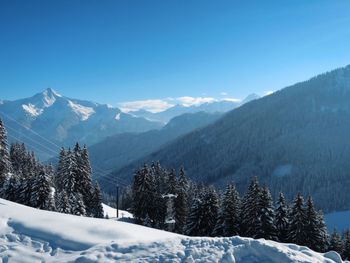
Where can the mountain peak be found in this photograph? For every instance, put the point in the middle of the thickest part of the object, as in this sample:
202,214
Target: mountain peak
49,92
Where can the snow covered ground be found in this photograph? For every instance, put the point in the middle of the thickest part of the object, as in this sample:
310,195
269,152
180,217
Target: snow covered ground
31,235
338,220
112,213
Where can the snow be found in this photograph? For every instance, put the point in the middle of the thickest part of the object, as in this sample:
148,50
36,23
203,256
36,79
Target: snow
338,220
32,235
49,97
111,212
32,110
83,112
117,117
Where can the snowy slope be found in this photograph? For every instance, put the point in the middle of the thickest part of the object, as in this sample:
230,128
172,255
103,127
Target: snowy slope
31,235
111,212
338,220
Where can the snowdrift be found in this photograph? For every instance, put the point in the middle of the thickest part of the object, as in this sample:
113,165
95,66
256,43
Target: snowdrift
31,235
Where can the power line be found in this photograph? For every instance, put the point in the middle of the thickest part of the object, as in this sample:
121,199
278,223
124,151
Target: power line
98,169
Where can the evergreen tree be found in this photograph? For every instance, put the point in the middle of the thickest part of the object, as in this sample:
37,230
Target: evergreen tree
41,195
5,162
60,170
143,194
181,203
323,233
171,182
250,217
96,203
346,245
203,214
9,189
194,220
231,211
219,225
61,202
86,186
267,228
313,233
77,206
281,219
336,243
69,176
298,220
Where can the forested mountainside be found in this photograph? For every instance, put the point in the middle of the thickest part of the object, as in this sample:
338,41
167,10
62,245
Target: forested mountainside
116,151
293,140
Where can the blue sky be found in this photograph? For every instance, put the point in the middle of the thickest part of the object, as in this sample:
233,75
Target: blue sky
116,51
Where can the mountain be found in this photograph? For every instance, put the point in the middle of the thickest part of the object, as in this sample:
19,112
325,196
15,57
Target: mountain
34,235
118,150
294,140
210,107
48,120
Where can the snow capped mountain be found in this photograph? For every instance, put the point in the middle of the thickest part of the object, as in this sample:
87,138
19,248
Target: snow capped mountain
49,120
220,106
33,235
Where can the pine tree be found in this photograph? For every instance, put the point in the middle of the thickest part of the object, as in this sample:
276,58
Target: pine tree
298,221
143,194
181,203
5,162
86,186
231,211
211,207
203,214
346,245
250,223
312,232
194,220
69,170
171,182
267,228
335,243
281,219
61,202
60,170
219,225
77,206
323,233
96,203
9,189
41,195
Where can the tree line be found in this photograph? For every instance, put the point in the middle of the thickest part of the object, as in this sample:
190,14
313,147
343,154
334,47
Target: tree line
199,210
68,189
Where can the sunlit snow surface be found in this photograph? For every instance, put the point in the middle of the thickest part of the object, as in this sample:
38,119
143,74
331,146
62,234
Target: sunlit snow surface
31,235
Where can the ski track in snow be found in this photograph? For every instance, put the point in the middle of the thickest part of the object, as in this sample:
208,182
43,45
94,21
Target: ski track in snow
32,235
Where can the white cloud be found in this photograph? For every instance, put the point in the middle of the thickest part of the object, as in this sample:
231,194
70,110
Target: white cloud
231,99
156,105
190,101
223,93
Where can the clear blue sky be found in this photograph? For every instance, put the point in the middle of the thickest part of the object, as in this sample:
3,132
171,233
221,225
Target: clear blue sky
112,51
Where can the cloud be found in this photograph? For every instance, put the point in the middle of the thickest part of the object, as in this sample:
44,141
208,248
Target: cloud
223,93
190,101
156,105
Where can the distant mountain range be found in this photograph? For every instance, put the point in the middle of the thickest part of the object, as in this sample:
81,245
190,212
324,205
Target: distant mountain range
295,140
48,120
224,105
118,150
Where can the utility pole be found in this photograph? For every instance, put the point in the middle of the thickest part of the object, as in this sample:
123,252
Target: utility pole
117,201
